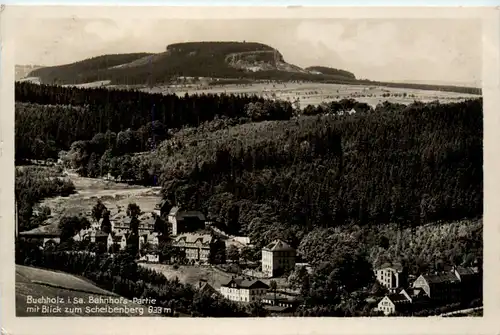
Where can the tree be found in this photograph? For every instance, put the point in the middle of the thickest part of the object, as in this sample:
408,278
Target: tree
233,253
71,225
299,278
133,210
256,309
93,166
247,253
106,223
98,210
274,286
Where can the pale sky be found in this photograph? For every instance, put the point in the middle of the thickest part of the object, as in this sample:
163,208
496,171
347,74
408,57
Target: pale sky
443,50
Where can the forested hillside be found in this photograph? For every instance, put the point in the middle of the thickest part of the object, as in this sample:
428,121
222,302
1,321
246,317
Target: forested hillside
411,165
206,59
50,118
86,70
349,191
331,71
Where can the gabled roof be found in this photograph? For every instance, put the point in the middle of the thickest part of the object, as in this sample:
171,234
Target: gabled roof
416,291
98,233
174,210
397,298
149,219
206,287
162,203
245,283
462,271
395,266
440,278
278,245
192,238
281,297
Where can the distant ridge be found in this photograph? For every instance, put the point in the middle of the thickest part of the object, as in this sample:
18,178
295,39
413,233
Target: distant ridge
194,59
206,63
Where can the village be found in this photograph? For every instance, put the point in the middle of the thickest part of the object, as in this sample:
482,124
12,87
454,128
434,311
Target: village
197,243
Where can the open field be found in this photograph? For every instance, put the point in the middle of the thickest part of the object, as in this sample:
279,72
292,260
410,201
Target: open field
116,197
193,274
75,294
316,93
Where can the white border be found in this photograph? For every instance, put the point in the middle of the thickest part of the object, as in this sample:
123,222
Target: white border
489,324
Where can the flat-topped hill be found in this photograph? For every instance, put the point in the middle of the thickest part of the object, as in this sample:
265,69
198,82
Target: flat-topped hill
193,59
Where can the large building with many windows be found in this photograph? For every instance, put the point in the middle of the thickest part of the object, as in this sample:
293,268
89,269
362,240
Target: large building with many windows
277,258
198,247
391,276
244,290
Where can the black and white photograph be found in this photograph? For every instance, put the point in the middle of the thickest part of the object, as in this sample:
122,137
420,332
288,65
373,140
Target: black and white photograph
248,168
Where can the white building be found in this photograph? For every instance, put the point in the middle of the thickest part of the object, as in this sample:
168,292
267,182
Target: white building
277,258
391,276
395,302
119,239
244,290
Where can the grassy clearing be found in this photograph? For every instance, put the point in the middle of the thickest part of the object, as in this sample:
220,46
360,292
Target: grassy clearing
116,197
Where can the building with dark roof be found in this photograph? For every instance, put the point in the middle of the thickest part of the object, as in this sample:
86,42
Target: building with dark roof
471,282
442,287
198,247
243,289
395,302
162,207
277,258
185,221
281,300
45,234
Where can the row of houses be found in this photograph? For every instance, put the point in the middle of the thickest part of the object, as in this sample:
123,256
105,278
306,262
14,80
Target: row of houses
278,257
433,289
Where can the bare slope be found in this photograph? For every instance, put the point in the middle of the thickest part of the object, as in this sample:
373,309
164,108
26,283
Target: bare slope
34,283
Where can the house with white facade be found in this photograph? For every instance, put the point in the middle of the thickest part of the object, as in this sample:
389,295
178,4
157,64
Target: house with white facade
391,276
395,302
244,290
277,258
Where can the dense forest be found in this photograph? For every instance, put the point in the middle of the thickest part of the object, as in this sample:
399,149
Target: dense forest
50,118
90,68
406,165
419,164
199,59
349,191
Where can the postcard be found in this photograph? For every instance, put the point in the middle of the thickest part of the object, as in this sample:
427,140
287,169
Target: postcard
256,169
